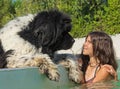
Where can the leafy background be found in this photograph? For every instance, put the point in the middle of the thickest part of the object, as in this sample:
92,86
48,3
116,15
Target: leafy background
87,15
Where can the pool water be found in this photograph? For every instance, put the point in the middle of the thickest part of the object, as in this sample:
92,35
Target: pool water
118,71
30,78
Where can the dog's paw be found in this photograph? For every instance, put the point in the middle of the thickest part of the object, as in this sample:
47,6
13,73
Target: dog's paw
43,68
53,74
74,72
47,67
50,71
76,76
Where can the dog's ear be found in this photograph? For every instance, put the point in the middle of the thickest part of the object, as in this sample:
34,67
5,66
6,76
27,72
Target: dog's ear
44,34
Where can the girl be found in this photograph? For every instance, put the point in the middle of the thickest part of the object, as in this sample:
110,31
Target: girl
98,58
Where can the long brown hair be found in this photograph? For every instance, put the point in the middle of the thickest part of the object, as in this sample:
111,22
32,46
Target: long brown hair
102,49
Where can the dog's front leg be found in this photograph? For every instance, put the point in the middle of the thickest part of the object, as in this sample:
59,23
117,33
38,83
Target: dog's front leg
75,74
46,66
42,61
49,68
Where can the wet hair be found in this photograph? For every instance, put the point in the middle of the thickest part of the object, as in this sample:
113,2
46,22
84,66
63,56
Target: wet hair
102,49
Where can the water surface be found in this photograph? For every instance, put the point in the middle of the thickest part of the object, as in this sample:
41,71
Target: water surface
30,78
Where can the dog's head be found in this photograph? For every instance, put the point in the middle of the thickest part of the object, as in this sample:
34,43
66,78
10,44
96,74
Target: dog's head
50,30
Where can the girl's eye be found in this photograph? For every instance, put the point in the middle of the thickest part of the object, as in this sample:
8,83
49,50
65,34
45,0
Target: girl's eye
89,41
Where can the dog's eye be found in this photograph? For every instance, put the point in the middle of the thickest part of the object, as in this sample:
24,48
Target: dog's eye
67,21
37,33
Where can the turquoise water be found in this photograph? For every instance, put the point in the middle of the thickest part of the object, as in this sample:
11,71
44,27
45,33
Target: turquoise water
30,78
118,69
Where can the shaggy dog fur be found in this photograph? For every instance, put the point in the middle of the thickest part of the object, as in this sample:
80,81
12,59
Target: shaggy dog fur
32,40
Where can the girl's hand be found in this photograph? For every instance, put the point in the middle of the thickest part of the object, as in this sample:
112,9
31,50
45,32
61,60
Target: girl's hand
111,70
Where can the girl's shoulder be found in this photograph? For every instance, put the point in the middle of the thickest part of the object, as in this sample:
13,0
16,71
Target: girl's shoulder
107,67
110,70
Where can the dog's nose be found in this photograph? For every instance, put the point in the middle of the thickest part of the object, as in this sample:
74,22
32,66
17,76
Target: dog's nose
73,41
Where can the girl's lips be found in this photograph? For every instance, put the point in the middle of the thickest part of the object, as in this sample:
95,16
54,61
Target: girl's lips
85,48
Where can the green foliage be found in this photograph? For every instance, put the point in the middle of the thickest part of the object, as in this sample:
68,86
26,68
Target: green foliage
97,15
87,15
5,12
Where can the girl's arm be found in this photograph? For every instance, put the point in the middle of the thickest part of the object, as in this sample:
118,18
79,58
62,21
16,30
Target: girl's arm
112,71
101,75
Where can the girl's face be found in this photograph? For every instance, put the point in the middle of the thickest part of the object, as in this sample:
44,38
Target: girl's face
88,47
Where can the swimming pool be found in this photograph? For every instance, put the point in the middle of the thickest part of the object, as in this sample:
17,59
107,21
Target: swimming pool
30,78
118,69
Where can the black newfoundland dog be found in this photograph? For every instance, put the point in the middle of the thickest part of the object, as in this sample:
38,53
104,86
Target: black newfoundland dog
32,40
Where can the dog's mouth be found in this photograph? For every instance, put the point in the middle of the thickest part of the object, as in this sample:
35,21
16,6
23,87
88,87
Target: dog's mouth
67,42
68,46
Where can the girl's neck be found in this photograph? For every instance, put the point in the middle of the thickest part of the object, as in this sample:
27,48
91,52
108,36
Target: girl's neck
93,62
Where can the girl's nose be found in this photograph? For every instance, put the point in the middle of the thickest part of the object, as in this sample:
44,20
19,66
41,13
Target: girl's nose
85,43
